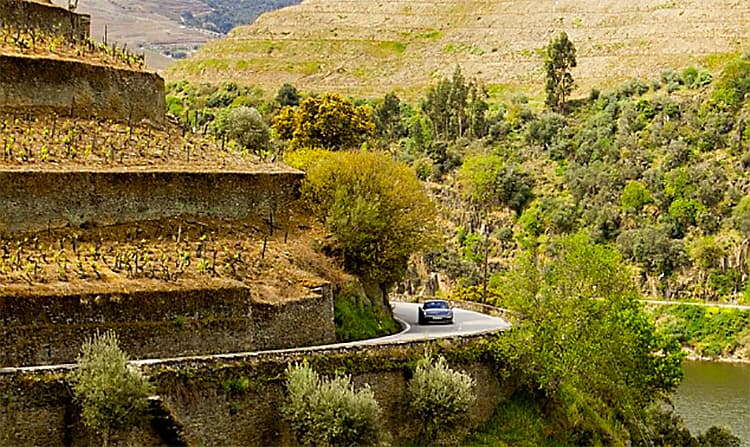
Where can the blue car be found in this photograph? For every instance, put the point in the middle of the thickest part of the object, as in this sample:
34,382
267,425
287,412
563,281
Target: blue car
438,311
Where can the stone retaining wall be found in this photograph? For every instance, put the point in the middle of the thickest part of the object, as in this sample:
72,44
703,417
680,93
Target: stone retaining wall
43,330
214,411
64,87
34,200
44,17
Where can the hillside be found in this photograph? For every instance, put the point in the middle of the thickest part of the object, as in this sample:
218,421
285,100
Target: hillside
158,28
363,48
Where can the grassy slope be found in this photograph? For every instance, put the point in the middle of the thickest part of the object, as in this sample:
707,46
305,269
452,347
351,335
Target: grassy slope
363,48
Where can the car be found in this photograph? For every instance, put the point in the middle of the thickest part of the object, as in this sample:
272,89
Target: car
439,311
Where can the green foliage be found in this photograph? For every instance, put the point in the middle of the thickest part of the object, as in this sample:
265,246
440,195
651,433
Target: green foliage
560,58
456,108
288,96
709,331
376,208
489,181
330,411
439,398
653,248
355,318
634,197
733,84
246,126
584,340
111,393
328,121
741,216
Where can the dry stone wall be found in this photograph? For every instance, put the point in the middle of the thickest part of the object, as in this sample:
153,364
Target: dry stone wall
44,17
33,201
43,330
215,413
72,88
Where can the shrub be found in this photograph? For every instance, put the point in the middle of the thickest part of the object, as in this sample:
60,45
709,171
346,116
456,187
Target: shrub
330,412
110,393
246,126
439,397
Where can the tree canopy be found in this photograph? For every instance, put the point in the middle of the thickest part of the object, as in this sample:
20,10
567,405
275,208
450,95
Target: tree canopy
328,121
584,335
376,208
559,59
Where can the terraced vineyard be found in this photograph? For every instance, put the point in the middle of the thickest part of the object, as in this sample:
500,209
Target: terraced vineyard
368,48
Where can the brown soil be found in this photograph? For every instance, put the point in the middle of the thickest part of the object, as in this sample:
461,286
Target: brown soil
170,254
56,143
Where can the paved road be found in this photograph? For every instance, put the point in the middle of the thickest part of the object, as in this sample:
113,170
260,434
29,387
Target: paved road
704,304
465,323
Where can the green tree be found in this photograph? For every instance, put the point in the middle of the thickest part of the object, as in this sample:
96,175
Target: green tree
110,392
741,216
246,126
330,412
388,117
585,341
489,181
559,59
328,121
288,96
634,197
377,210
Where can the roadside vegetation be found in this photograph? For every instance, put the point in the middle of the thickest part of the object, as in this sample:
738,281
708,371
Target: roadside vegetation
568,214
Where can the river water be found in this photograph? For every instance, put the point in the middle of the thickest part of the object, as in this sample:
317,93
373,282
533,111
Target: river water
715,393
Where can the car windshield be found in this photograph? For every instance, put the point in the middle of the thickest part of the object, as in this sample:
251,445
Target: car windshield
436,305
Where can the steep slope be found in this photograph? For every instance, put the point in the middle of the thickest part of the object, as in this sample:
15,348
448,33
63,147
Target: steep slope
367,48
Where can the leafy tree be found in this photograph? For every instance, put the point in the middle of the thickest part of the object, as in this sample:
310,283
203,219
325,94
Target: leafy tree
110,393
377,210
388,117
288,96
455,107
328,121
634,197
559,59
584,336
652,247
741,216
488,181
439,397
246,126
330,411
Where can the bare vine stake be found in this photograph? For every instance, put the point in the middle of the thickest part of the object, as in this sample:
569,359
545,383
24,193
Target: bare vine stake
263,252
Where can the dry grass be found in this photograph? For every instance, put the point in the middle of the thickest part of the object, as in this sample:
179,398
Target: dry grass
326,45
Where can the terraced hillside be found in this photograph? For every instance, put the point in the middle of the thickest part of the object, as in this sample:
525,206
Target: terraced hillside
368,48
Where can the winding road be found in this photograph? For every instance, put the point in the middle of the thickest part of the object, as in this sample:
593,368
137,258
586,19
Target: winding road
466,322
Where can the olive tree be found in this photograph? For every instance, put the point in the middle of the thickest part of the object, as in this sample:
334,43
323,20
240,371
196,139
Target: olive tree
324,411
110,392
246,126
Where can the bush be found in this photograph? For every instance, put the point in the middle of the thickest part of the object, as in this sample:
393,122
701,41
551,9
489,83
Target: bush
110,393
439,397
246,126
330,412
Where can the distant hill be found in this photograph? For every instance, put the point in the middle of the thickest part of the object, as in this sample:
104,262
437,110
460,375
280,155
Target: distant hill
159,26
366,48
